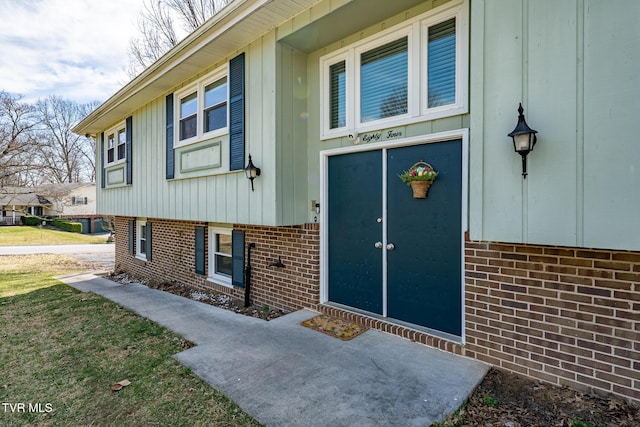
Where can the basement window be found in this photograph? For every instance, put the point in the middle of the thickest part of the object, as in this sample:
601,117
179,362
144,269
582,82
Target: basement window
220,259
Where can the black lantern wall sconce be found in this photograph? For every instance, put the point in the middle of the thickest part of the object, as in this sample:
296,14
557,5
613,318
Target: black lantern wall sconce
524,139
251,171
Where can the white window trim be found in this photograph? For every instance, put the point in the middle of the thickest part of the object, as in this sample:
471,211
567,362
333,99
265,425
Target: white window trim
325,86
198,87
462,63
114,130
416,30
212,276
139,224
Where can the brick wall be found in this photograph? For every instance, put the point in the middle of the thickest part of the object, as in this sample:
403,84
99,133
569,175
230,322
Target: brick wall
297,284
567,316
293,287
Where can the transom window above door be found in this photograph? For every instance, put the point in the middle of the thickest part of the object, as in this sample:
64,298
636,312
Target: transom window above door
415,71
201,111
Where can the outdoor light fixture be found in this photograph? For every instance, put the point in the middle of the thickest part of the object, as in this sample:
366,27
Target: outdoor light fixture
524,139
251,171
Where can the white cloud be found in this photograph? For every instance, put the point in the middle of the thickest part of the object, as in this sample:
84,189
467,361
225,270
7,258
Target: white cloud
76,49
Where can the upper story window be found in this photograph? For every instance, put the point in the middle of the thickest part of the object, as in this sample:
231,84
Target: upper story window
79,200
384,77
202,109
116,144
413,72
189,116
441,74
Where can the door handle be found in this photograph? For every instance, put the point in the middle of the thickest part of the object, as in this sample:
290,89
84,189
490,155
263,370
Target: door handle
391,247
378,245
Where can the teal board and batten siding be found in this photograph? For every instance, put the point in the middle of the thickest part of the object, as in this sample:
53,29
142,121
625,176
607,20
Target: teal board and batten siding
291,148
300,71
574,67
214,194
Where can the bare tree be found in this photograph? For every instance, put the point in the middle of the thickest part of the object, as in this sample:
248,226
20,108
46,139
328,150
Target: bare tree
17,122
64,155
88,149
157,28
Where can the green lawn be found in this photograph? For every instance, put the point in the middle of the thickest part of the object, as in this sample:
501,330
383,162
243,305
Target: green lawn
24,235
62,350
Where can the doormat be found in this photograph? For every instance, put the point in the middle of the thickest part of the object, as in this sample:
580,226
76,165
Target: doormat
335,327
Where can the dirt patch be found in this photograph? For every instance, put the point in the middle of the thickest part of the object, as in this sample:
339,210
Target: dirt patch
208,296
505,399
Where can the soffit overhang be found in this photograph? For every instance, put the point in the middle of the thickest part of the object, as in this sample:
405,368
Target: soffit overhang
231,29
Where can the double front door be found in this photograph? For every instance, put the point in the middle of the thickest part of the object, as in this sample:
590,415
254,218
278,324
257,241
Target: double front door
391,254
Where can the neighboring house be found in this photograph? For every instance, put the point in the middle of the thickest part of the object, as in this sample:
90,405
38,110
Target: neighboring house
74,201
332,100
15,202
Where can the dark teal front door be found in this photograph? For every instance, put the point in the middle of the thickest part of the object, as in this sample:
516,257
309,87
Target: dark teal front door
355,203
377,227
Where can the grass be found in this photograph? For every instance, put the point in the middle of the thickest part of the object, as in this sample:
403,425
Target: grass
490,401
23,235
454,420
62,350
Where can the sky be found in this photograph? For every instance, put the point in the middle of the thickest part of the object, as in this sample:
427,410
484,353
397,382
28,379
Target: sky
75,49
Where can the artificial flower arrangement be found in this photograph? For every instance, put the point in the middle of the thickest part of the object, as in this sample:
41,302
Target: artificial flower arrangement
419,177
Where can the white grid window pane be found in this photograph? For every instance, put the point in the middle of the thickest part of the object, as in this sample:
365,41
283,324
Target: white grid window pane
188,116
215,105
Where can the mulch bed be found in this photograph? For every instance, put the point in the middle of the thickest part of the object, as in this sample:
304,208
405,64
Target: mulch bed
504,399
335,327
208,296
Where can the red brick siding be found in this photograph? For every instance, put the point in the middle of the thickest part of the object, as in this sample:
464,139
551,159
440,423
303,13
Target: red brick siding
567,316
173,252
173,259
297,284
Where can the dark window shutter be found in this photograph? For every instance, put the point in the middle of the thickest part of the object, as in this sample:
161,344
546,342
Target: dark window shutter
237,254
236,113
132,240
149,240
199,250
86,200
169,137
102,176
129,149
73,200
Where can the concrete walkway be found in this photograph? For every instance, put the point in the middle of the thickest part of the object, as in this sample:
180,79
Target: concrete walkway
284,374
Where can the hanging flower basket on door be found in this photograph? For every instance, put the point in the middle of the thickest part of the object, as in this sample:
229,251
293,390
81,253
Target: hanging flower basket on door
419,177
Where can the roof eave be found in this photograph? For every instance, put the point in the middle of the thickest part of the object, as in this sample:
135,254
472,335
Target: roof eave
173,68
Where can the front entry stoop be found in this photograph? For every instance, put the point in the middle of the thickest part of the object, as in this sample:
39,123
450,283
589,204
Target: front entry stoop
391,327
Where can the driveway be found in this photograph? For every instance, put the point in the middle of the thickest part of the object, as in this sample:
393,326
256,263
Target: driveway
101,254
